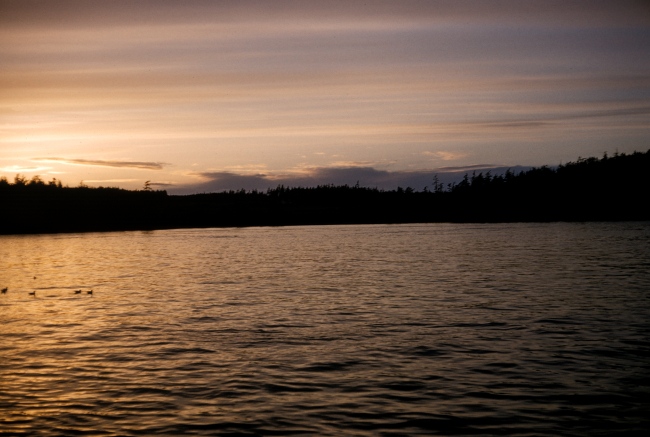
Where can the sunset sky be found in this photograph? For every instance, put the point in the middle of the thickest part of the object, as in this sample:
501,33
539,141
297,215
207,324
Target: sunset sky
212,95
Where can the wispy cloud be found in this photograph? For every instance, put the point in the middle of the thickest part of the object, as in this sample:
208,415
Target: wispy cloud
100,163
19,168
99,181
544,120
246,168
446,156
153,184
344,164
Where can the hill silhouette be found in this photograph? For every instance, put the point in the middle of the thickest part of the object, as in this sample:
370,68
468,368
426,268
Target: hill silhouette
610,188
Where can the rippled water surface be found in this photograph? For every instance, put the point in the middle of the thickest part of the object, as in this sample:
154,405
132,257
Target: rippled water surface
520,329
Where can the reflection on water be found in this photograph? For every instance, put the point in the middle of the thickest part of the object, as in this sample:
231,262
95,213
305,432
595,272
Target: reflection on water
343,330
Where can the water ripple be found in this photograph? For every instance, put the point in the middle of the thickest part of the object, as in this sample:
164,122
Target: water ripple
519,329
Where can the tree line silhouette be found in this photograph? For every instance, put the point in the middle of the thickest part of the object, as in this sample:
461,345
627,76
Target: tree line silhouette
591,189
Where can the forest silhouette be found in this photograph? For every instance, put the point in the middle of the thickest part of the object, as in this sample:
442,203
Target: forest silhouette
611,188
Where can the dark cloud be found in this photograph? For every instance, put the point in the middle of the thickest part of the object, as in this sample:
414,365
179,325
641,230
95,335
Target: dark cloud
543,121
467,168
100,163
86,13
613,112
516,124
366,176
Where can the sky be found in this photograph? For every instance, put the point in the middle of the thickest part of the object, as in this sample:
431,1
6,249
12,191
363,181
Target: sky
200,96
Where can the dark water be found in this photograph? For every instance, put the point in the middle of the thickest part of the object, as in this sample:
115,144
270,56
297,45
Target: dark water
524,329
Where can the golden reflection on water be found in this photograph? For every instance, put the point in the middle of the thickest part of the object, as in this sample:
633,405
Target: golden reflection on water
323,330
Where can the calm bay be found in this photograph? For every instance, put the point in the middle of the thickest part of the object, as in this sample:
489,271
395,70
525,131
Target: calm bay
452,329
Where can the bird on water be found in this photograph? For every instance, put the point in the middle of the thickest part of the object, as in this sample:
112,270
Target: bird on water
77,292
89,292
4,290
33,293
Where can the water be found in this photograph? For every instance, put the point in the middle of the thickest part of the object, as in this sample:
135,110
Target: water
517,329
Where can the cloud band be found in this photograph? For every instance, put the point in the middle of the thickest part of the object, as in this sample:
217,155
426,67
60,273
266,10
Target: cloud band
101,163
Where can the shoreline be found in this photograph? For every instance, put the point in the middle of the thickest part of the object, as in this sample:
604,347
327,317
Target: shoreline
341,223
